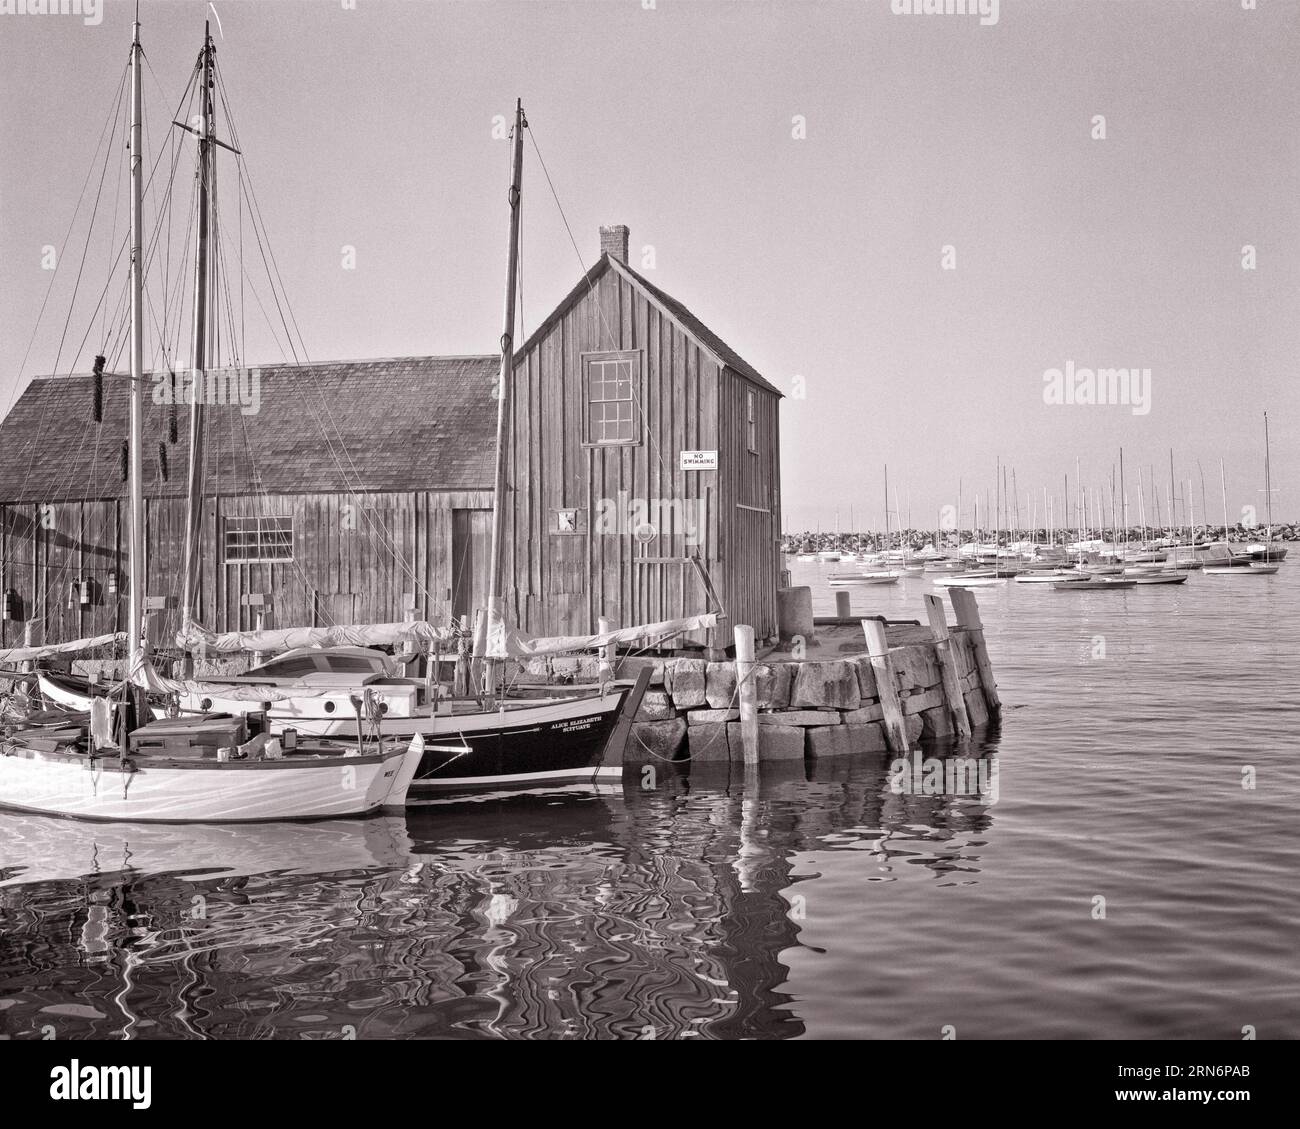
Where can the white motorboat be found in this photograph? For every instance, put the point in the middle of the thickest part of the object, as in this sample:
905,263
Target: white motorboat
1043,576
854,579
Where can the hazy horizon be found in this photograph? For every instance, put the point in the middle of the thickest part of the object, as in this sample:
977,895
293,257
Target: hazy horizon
820,258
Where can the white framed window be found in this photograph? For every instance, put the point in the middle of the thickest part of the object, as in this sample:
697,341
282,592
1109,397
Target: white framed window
611,383
252,540
751,423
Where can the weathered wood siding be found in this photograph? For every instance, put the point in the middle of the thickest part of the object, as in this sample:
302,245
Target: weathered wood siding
750,521
679,405
356,559
44,550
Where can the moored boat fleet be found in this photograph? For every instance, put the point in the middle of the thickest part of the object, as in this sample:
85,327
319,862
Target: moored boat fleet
1077,566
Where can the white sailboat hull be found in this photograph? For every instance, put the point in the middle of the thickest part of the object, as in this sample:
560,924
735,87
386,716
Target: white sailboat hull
175,791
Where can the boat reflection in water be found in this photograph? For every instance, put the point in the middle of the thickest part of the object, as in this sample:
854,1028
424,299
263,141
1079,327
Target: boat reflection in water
668,911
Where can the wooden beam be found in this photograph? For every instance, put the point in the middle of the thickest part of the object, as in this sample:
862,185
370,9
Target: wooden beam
968,618
950,666
886,685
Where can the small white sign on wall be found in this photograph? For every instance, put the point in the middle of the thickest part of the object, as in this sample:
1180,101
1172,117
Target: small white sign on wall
698,460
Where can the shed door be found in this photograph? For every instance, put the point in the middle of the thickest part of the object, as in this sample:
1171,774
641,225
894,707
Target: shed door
471,553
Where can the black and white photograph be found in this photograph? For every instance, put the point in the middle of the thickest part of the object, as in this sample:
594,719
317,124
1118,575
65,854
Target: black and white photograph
649,521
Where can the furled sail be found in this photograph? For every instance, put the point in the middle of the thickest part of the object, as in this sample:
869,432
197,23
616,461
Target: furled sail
145,676
506,642
196,638
27,654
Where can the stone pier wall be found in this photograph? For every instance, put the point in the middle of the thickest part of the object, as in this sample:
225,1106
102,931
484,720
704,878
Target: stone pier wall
806,708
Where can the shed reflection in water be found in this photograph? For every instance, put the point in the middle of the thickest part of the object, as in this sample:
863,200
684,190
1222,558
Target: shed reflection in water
630,912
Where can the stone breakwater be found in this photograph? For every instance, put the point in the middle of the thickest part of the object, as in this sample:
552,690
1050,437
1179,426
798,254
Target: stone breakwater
807,708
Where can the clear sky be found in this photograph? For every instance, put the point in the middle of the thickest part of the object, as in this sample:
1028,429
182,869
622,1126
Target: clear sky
817,257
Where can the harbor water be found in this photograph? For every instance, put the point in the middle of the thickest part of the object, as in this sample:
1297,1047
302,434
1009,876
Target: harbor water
1126,865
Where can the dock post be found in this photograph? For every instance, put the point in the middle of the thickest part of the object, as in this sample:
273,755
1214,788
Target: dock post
843,605
968,617
948,665
259,625
461,680
748,692
30,664
608,653
886,685
478,665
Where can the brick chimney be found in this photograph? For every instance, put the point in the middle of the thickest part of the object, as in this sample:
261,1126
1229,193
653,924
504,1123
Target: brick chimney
613,241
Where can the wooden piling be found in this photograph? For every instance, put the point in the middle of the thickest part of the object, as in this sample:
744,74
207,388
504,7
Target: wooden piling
843,605
950,667
968,618
460,682
433,675
608,653
886,685
748,692
259,625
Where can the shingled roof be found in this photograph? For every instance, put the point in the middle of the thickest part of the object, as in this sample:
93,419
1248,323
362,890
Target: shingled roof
409,423
690,324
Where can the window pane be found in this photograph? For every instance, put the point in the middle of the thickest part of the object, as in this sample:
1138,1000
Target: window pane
259,539
610,412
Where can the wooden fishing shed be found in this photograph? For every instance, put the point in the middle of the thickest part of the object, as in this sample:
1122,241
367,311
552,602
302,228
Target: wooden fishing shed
639,440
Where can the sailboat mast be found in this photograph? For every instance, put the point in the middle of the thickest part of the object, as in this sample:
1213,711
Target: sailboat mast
199,353
135,559
1123,497
1223,487
495,575
1268,487
1173,495
886,545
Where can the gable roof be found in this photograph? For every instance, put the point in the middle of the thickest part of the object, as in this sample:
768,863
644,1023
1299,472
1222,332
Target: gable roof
408,423
691,325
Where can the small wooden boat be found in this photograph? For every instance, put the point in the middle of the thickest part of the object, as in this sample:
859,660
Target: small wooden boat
1087,584
1162,577
198,770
